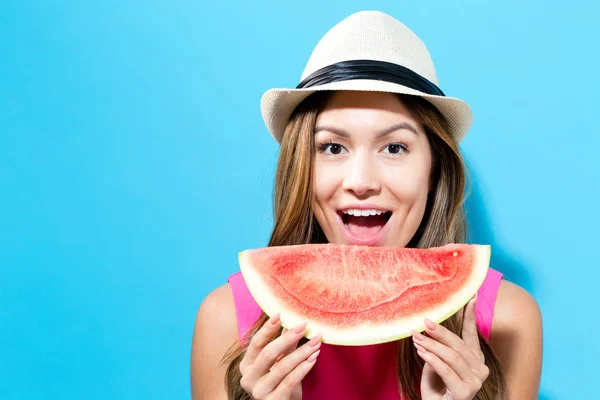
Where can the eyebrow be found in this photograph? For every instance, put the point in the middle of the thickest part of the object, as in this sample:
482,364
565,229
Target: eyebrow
380,134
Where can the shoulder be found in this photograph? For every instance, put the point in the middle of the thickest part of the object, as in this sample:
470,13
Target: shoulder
216,316
215,331
515,310
516,339
216,303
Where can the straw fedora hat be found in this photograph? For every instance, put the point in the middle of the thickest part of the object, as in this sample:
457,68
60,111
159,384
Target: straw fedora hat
368,51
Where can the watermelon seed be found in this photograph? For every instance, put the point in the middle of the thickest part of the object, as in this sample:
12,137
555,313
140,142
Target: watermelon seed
455,253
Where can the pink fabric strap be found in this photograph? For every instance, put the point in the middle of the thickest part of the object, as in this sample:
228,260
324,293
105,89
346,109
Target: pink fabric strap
486,301
246,309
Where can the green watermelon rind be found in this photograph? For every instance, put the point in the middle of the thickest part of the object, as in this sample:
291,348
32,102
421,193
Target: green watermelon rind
369,333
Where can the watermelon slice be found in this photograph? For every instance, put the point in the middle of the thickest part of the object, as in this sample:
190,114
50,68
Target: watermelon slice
359,295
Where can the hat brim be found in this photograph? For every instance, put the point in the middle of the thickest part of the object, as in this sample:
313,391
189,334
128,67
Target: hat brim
277,105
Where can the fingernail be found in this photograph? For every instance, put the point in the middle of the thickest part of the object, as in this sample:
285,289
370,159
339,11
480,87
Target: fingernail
475,298
419,347
275,319
300,328
423,354
418,336
316,340
314,356
430,324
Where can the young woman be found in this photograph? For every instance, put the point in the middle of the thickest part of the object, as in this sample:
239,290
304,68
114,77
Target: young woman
369,155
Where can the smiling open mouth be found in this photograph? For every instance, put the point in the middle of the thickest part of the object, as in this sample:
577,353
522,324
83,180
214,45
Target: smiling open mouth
364,225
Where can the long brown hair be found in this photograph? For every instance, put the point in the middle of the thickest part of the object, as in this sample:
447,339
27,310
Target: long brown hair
444,222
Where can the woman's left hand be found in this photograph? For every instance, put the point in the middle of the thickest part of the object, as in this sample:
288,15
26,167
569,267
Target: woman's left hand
454,367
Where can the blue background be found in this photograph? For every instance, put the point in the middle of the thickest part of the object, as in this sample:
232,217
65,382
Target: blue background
134,165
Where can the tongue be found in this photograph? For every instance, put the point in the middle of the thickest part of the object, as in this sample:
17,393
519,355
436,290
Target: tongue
365,227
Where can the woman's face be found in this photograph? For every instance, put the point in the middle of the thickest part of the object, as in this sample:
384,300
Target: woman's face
372,168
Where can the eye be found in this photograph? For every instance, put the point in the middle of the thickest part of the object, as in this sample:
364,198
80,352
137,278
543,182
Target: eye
331,148
395,148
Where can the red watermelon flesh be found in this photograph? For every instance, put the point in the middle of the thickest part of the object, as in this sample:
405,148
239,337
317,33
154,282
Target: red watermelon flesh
357,295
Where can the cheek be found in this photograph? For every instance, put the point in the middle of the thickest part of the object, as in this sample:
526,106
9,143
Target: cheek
324,188
410,193
409,187
326,181
412,182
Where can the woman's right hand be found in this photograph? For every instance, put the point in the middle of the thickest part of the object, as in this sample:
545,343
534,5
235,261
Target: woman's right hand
273,370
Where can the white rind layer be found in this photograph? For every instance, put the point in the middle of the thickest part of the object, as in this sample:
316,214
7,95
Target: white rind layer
372,333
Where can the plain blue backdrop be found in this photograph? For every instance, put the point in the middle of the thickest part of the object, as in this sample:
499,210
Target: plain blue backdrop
134,166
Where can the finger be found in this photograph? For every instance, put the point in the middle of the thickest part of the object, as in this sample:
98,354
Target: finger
450,356
260,339
453,383
286,365
469,331
285,353
276,348
446,337
286,387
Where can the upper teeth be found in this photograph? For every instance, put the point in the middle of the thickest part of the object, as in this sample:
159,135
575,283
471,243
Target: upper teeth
363,213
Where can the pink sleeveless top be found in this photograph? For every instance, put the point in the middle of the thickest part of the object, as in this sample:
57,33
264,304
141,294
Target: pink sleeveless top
357,372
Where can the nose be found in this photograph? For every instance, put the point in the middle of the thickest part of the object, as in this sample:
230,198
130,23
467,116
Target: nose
361,177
